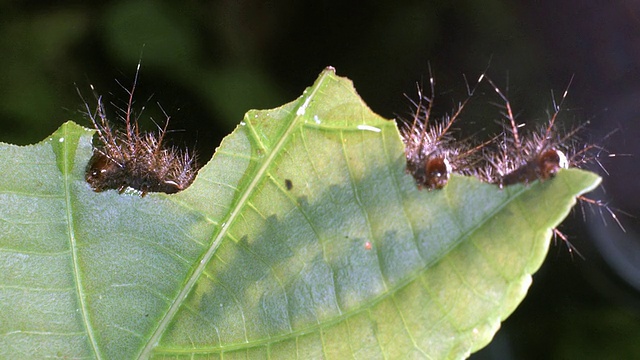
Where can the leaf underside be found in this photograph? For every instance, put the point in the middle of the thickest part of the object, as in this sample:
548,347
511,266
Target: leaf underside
302,238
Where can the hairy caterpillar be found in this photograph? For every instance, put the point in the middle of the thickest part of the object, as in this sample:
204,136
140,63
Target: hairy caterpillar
432,153
538,155
534,155
128,158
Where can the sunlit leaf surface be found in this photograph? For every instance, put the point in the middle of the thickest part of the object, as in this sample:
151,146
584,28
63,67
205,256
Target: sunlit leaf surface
302,238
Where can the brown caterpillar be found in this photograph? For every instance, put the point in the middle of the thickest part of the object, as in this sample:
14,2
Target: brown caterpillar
539,155
534,155
432,153
128,158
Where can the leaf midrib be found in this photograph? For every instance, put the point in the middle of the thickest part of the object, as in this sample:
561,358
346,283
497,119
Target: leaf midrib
233,213
72,243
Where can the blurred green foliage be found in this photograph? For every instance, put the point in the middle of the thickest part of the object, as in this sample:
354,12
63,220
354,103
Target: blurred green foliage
219,59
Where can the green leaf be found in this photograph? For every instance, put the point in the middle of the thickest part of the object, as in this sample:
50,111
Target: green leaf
303,237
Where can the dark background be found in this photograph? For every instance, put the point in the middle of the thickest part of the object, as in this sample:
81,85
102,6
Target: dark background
207,63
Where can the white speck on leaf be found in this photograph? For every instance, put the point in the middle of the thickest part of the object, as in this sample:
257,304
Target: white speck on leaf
302,109
369,128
